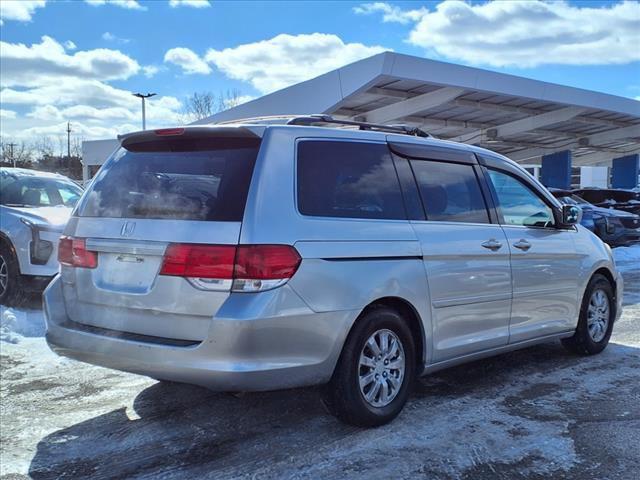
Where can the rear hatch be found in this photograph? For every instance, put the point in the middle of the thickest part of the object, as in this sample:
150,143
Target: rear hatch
160,191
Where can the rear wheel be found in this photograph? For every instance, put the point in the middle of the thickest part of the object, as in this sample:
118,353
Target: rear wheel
9,276
597,314
373,378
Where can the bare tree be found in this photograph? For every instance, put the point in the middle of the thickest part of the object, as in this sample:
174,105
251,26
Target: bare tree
201,105
76,147
43,147
16,153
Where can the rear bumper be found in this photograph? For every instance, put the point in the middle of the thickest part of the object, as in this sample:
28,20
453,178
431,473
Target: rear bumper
254,350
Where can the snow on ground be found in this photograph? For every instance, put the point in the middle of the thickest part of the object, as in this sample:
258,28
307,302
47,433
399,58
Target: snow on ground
17,323
534,413
627,258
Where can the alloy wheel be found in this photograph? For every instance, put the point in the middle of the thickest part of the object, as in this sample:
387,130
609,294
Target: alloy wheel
598,314
381,368
4,275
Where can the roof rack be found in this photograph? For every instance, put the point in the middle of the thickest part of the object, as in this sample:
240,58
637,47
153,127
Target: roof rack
318,119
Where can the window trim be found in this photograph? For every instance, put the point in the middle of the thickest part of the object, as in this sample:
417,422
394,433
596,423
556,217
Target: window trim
432,152
528,186
409,183
296,199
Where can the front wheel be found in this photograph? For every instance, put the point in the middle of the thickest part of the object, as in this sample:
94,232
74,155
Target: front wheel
597,314
373,378
9,277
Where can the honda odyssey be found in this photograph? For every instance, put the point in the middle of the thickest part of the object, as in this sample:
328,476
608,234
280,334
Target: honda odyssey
261,256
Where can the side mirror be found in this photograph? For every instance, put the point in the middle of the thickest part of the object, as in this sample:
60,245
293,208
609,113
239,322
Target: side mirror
571,215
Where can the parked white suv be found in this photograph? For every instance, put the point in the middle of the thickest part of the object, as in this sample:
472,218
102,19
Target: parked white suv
34,209
260,257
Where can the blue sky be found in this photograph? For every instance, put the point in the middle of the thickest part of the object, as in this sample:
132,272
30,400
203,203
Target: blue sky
78,60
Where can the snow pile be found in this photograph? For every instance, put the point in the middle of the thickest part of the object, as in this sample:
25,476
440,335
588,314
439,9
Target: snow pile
16,323
627,258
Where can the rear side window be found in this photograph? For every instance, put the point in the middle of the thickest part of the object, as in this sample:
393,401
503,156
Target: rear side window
348,179
39,192
450,192
199,180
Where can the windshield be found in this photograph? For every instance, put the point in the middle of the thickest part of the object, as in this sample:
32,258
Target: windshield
38,192
573,200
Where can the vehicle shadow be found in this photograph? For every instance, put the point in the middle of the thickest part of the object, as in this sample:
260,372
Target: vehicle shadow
191,431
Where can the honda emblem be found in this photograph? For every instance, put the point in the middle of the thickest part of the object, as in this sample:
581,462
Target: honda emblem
127,229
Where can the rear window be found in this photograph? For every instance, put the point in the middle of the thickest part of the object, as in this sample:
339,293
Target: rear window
348,179
207,179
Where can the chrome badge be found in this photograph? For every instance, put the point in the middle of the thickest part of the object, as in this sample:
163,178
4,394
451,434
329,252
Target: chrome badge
127,229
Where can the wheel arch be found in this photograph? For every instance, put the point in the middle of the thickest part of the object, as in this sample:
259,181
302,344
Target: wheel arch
412,318
5,240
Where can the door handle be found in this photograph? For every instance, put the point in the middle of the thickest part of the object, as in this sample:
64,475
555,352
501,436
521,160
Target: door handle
492,244
522,244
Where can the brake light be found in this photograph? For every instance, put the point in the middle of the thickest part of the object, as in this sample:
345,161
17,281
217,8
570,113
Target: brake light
266,262
199,261
166,132
245,268
73,252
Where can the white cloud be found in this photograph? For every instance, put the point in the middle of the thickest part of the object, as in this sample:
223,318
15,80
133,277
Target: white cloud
189,3
71,91
48,87
287,59
48,62
527,33
188,60
128,4
240,100
78,130
69,45
81,112
110,37
95,110
150,70
7,113
19,10
390,13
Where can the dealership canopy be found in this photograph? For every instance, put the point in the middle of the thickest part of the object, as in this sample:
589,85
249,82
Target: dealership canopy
518,117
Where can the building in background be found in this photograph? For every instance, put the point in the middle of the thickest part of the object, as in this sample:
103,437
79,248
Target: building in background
548,127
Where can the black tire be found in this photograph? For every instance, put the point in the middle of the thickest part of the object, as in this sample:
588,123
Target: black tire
342,396
582,342
9,294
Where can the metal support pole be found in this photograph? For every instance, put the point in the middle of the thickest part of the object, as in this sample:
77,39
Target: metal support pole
144,113
68,144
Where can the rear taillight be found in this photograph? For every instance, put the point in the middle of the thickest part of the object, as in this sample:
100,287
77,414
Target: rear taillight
245,268
73,252
262,267
199,261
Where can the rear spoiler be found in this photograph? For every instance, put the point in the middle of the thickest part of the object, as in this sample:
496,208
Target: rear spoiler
180,134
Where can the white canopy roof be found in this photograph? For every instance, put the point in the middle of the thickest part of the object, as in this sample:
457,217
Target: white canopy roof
518,117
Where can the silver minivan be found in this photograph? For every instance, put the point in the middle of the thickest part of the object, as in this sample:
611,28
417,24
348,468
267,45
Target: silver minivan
262,256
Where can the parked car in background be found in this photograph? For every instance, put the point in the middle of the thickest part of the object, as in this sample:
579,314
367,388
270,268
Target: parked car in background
34,209
626,200
262,257
615,227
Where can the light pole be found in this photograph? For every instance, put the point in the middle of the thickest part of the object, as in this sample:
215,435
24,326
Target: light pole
143,97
